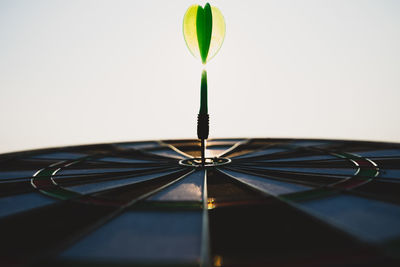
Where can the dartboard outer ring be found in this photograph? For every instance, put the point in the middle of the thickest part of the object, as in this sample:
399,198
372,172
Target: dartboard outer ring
257,202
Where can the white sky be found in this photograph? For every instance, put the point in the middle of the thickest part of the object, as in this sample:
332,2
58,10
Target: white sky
76,72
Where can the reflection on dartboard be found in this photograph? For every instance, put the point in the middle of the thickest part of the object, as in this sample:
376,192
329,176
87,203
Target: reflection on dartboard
276,202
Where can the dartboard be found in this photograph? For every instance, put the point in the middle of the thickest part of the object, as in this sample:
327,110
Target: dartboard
275,202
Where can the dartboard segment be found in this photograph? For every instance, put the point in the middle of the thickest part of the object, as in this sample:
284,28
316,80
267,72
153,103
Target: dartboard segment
164,228
248,227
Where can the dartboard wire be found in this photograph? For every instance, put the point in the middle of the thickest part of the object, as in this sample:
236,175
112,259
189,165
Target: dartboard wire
266,163
272,177
205,233
290,149
289,146
44,178
233,147
19,179
367,170
153,155
110,176
86,231
272,171
50,166
318,190
284,161
62,193
23,182
84,159
304,167
165,161
297,148
301,179
282,196
163,144
155,159
46,173
263,148
114,174
362,176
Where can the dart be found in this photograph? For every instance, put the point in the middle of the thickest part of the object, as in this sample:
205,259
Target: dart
204,32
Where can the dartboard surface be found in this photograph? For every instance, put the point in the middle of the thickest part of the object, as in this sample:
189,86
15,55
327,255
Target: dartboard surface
277,202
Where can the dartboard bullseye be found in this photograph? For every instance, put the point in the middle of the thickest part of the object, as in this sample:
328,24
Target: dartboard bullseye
260,202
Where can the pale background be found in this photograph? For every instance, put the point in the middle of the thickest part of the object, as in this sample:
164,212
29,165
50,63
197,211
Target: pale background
77,72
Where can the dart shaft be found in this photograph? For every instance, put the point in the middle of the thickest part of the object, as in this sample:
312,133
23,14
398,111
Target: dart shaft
203,93
202,117
202,132
202,152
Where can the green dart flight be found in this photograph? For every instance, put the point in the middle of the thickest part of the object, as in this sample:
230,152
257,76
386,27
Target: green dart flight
204,32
